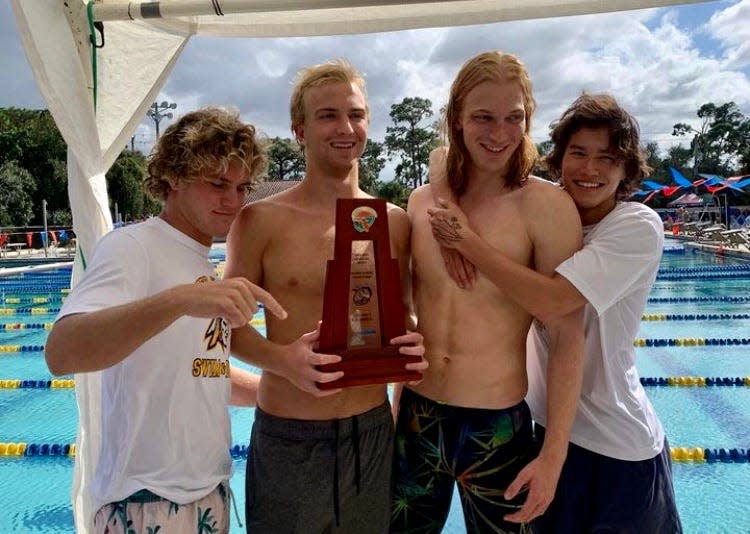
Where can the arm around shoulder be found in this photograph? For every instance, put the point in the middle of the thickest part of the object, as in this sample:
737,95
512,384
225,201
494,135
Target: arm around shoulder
555,230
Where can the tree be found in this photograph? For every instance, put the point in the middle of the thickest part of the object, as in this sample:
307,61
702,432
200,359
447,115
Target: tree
125,184
718,144
61,217
31,138
659,167
678,157
285,160
16,187
395,192
371,162
540,169
409,141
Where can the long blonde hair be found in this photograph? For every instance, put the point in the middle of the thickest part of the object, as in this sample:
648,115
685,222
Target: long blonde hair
492,66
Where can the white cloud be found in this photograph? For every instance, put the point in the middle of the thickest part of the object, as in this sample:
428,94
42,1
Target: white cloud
731,27
648,59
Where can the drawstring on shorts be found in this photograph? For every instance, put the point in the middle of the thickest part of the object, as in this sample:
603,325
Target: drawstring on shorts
234,504
355,445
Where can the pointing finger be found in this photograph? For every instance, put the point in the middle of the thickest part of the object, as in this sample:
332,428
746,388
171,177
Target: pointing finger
269,302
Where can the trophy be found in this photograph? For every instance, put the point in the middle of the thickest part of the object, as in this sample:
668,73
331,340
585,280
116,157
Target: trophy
363,305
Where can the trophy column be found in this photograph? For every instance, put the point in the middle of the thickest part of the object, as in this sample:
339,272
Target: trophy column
363,304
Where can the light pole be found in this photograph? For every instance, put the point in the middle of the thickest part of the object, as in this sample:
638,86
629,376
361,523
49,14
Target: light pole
157,112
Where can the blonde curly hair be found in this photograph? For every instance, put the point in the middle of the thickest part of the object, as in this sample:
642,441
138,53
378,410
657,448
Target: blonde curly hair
203,142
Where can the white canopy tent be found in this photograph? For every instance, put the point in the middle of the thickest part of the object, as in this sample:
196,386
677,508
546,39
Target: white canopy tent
98,99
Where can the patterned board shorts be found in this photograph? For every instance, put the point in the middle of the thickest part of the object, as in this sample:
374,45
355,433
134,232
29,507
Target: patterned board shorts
439,446
147,513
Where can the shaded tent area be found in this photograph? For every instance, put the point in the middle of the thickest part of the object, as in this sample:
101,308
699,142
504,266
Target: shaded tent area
709,197
710,184
82,55
688,199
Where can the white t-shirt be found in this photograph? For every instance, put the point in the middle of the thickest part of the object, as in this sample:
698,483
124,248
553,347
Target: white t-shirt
614,271
165,423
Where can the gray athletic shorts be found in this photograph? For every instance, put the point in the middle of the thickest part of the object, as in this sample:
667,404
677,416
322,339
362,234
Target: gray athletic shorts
320,476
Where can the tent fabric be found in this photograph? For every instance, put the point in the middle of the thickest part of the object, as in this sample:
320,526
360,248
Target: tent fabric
688,199
55,36
94,139
281,18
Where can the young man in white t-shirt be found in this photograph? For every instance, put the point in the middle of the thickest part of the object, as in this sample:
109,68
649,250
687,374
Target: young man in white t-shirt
617,476
150,316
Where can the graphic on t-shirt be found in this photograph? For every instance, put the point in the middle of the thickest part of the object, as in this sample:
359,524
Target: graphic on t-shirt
217,333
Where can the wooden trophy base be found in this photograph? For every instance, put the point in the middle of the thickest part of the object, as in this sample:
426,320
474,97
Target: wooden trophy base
370,366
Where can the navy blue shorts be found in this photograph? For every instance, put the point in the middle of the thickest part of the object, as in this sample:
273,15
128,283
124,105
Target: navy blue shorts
598,494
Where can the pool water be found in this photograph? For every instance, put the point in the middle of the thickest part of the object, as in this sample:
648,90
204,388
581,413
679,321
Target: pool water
712,497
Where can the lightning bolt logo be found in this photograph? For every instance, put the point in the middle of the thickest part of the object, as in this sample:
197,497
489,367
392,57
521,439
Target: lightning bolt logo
217,333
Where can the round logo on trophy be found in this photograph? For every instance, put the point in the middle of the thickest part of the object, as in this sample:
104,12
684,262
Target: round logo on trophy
363,218
362,295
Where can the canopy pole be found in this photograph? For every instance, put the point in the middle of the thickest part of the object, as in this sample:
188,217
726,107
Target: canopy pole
141,10
133,10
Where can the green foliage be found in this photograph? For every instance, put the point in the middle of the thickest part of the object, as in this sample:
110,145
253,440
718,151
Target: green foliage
720,143
31,138
745,161
410,142
371,163
285,160
394,192
60,218
679,157
659,167
539,169
16,187
124,185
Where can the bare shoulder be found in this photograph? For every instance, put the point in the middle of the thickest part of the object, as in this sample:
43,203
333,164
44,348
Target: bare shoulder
420,197
540,192
544,201
396,214
267,211
552,222
252,231
398,222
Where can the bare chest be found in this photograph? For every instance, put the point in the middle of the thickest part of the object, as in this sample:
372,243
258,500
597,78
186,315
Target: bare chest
295,260
503,226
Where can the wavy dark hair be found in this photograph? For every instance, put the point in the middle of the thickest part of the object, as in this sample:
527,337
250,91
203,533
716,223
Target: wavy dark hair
601,111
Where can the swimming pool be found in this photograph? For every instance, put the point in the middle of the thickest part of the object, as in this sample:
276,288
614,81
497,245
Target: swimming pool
711,495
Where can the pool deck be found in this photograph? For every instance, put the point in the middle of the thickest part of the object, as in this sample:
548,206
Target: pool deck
25,258
712,247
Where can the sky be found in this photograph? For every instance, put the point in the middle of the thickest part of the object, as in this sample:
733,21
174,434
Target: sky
661,64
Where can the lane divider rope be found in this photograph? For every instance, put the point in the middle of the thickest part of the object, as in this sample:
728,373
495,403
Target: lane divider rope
55,383
689,342
695,317
695,381
679,454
